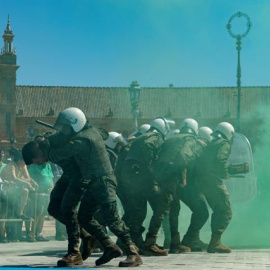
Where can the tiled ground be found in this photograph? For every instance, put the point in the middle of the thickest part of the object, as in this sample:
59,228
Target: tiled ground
46,254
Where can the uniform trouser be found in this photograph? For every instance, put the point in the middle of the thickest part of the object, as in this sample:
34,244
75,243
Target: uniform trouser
64,200
167,175
101,195
135,190
135,206
217,197
161,203
196,201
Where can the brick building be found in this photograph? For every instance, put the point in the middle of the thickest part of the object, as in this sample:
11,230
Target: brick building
110,107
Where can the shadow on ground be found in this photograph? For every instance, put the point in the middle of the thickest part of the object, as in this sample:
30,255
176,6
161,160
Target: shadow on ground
55,253
48,266
44,266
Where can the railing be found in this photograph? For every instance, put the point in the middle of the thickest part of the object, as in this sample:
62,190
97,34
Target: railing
7,204
11,206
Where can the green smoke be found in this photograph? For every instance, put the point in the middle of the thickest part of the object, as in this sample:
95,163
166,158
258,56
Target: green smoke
250,225
251,220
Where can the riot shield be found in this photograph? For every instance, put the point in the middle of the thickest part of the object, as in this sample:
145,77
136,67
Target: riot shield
242,187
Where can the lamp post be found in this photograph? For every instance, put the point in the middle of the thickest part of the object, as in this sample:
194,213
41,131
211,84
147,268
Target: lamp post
134,91
238,38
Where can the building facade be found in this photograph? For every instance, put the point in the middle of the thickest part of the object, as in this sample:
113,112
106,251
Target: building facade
110,107
8,68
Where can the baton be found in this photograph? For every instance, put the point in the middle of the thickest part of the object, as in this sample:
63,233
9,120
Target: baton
237,176
44,124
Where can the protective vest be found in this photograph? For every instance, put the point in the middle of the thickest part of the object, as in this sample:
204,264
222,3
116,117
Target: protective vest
121,160
144,149
213,161
93,158
179,150
57,140
69,166
191,171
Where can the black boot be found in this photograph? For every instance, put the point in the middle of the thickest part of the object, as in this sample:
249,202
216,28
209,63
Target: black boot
133,258
176,246
73,257
151,248
215,245
111,250
194,243
137,238
88,243
70,259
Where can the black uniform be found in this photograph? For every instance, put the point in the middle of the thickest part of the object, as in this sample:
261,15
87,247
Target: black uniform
212,169
169,169
94,179
63,199
137,182
195,200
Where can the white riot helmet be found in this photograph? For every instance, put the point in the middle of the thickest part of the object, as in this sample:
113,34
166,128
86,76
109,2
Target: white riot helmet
113,139
189,125
205,133
225,129
142,129
73,117
162,125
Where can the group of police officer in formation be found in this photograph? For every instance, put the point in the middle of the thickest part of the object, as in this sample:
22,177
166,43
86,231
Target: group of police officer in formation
158,164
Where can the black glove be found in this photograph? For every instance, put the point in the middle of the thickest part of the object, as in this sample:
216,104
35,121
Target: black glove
238,169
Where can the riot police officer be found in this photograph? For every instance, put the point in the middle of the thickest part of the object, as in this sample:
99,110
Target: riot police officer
211,171
95,189
170,168
137,178
193,197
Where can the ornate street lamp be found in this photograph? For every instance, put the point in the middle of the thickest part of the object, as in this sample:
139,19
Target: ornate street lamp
238,47
134,91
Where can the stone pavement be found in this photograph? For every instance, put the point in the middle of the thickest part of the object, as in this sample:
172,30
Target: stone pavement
45,255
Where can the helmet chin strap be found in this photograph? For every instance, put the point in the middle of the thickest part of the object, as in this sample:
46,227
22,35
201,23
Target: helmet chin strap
167,127
219,135
156,130
187,130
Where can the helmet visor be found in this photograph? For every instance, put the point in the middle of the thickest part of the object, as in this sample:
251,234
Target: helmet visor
60,122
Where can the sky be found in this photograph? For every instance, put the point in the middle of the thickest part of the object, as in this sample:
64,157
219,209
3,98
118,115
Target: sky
105,43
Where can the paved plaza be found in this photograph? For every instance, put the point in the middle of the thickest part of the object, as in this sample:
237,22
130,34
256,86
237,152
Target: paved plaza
45,255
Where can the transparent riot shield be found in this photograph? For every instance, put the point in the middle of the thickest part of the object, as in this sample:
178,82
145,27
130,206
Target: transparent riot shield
242,187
